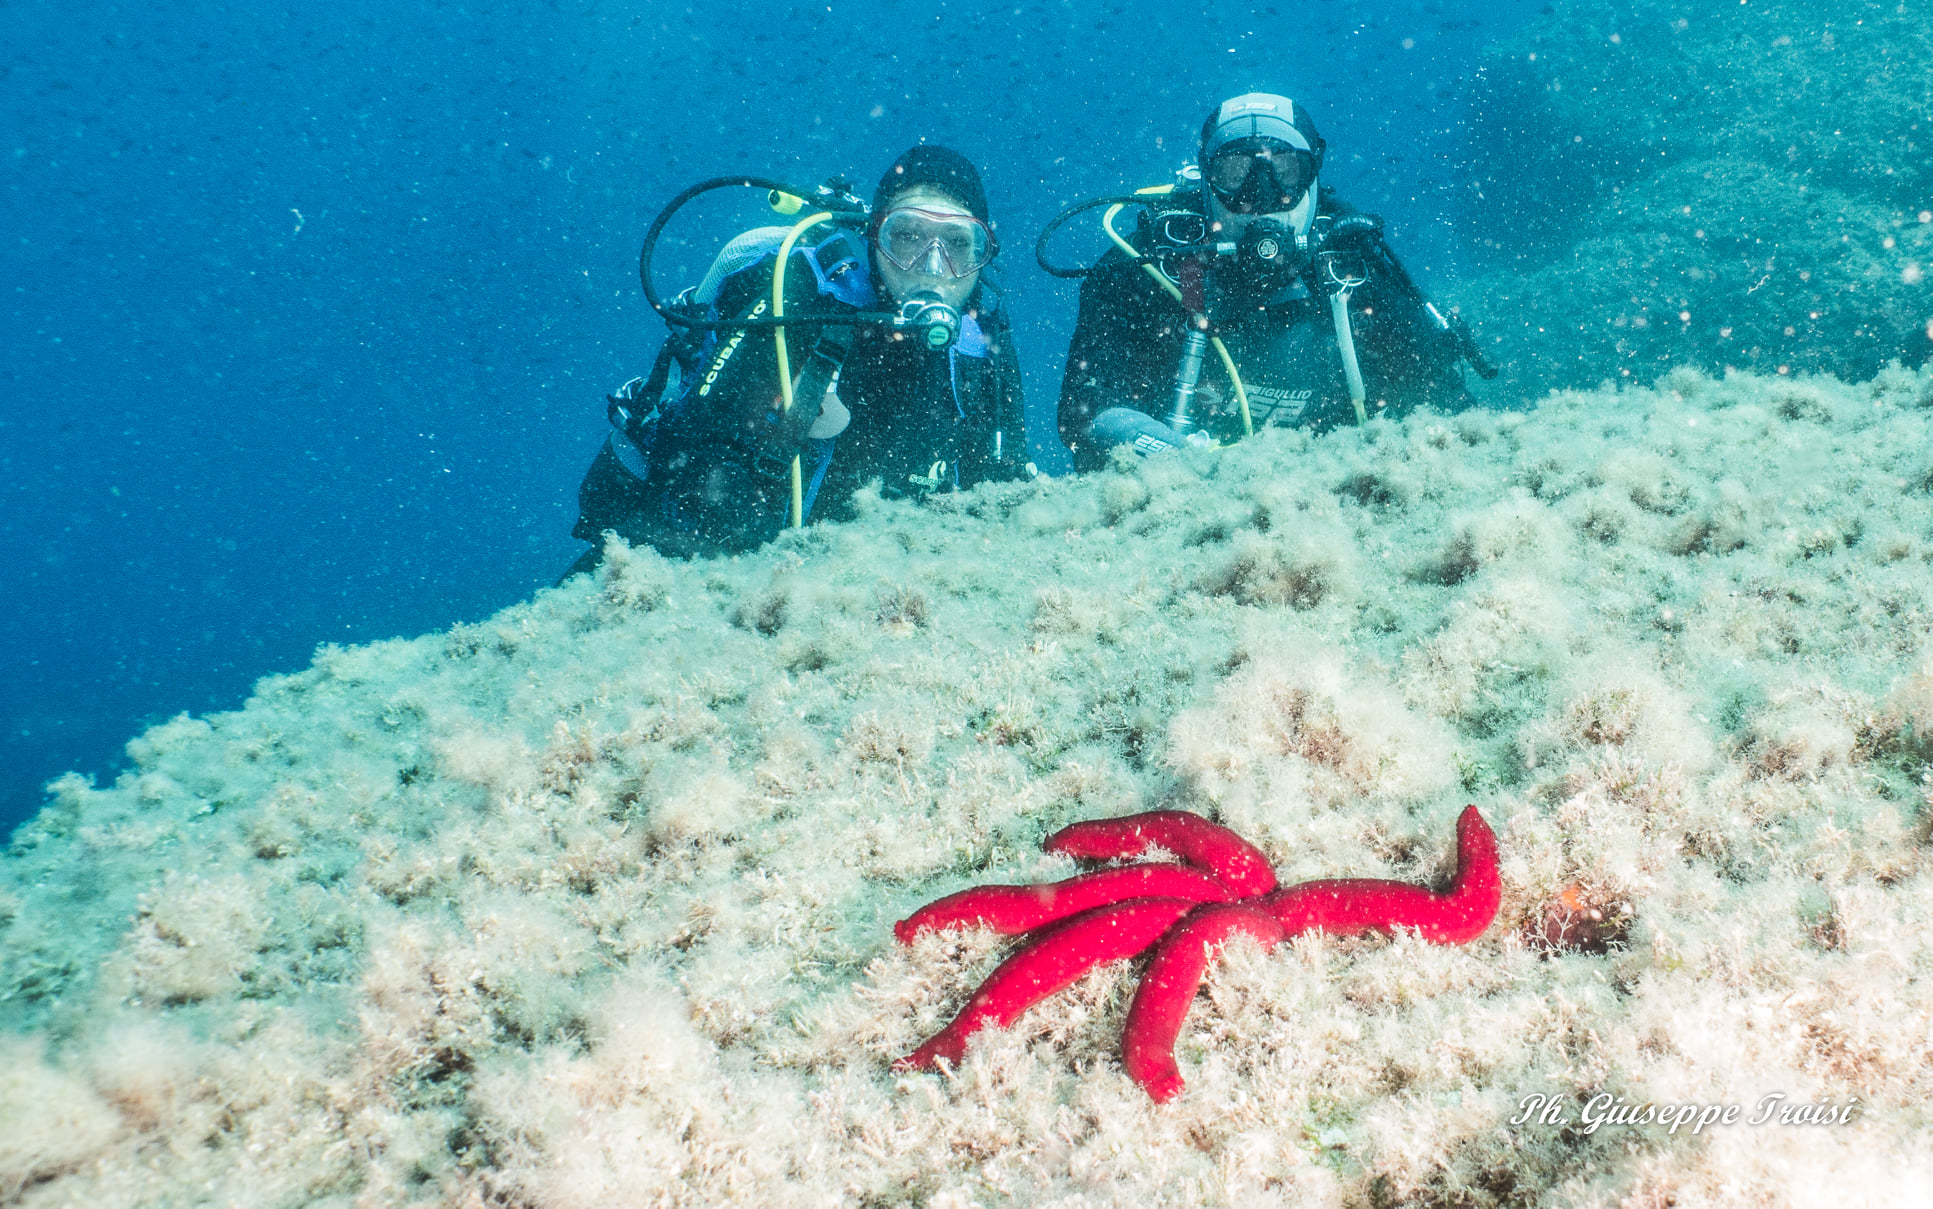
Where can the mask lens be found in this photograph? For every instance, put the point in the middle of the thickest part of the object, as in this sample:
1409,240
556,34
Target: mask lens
1259,175
910,236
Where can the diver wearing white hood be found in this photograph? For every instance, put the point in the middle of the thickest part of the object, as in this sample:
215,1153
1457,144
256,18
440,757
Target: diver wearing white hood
1311,319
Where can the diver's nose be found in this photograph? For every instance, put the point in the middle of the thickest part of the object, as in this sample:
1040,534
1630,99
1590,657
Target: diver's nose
934,263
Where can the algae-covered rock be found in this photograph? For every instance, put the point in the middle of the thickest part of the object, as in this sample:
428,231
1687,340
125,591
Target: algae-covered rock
591,903
1739,185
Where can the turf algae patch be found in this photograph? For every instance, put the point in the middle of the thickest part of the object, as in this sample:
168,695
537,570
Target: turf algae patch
591,902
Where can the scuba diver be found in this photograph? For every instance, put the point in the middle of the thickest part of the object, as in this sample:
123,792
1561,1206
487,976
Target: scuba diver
861,342
1248,294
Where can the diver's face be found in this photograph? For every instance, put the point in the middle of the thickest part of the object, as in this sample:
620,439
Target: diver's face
928,269
1227,226
1275,254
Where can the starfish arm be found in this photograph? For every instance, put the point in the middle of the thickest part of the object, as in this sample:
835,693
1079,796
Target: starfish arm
1048,965
1476,892
1168,989
1346,906
1011,910
1194,839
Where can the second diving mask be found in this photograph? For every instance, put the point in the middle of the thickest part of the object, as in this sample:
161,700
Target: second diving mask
942,242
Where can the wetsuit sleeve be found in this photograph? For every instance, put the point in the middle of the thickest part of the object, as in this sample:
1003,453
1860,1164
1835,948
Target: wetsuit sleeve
1407,356
1115,358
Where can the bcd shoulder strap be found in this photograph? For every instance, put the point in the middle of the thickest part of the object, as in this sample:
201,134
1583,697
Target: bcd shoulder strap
777,441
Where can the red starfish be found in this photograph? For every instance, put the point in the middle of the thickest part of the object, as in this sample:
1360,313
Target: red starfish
1183,913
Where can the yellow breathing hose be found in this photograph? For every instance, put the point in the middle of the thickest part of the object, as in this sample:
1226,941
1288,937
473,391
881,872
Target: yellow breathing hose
785,362
1200,320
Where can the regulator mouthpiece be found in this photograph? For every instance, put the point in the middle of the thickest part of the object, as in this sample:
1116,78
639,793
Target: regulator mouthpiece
1266,243
931,318
1268,255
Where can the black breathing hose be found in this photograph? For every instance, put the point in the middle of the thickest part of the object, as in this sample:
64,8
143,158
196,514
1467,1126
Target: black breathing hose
842,204
1040,245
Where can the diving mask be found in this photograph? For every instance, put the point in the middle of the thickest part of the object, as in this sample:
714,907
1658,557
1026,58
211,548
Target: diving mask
937,240
1259,175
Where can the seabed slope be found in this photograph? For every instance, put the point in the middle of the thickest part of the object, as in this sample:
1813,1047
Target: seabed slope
590,903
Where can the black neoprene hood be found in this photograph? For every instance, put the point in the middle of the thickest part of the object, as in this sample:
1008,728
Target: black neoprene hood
940,168
1260,115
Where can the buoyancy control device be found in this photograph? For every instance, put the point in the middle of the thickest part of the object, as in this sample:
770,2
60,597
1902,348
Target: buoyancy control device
1336,256
693,314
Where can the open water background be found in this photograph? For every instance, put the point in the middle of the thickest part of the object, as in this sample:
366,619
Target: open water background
310,308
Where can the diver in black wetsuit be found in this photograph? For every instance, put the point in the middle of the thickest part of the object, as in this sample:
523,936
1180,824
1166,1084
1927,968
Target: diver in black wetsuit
918,387
1249,295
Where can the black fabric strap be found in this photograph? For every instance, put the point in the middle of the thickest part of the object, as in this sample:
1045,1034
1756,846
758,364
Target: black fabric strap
779,441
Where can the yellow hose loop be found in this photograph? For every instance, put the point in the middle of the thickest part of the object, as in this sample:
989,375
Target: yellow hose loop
785,361
1241,392
1174,291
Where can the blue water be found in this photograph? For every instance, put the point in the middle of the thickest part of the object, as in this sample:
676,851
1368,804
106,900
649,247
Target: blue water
310,307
